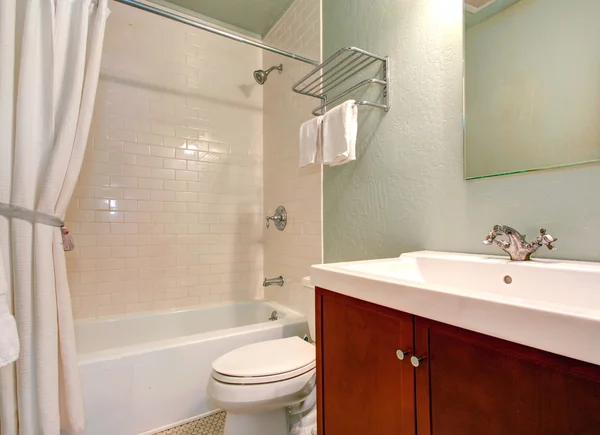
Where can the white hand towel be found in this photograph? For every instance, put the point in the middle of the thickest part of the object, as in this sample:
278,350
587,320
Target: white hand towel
340,127
9,340
310,142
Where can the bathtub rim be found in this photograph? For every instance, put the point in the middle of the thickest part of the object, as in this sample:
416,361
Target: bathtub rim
291,317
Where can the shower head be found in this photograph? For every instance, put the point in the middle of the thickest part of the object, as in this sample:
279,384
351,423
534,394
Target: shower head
261,76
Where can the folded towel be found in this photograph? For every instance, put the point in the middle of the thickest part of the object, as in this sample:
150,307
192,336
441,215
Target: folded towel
310,142
9,340
340,127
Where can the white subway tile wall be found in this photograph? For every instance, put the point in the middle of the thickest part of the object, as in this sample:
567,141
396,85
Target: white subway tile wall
291,253
168,207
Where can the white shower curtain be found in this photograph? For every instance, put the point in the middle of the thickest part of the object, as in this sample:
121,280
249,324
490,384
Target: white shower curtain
48,80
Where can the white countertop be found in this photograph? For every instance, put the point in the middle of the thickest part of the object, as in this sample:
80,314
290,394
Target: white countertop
552,305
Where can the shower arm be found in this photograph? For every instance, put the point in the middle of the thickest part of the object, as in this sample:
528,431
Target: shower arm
278,67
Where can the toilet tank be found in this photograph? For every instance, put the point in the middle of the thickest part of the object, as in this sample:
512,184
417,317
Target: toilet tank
309,309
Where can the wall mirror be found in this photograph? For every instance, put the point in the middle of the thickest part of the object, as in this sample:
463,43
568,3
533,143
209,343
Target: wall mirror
532,85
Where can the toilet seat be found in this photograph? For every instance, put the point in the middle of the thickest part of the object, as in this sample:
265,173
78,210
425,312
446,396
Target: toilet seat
249,380
265,362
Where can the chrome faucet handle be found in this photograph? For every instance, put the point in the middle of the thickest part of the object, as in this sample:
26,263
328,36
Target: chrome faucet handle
547,240
491,239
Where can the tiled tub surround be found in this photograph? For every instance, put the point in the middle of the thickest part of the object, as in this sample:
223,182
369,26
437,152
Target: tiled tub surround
291,253
149,372
168,208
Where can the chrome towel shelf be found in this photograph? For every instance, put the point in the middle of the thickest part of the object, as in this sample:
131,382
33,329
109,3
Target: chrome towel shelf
338,77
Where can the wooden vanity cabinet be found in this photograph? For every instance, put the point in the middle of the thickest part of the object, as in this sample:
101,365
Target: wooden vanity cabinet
471,383
364,387
465,383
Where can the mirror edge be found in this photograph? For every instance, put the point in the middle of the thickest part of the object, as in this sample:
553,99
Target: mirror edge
464,93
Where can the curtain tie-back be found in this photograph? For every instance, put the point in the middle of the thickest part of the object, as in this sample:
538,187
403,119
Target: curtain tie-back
25,214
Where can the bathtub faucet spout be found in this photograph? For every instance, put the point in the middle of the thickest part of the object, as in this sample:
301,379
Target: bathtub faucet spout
273,281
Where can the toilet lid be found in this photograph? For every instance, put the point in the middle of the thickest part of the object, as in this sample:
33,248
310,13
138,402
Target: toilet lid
267,358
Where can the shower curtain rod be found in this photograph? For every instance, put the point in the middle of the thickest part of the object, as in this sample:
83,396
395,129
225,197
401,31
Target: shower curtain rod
178,18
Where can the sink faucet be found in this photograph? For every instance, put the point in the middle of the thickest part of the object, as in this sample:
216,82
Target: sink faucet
517,247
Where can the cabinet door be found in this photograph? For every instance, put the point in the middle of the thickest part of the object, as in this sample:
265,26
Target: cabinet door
472,384
363,387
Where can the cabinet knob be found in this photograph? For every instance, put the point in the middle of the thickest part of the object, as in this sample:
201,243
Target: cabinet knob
402,353
415,361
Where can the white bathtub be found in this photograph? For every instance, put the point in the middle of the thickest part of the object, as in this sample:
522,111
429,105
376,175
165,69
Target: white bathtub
146,372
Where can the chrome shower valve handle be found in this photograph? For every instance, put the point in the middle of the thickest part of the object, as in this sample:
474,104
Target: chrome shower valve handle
279,218
275,218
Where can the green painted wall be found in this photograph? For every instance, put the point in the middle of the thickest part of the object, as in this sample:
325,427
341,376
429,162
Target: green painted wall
472,20
255,17
406,191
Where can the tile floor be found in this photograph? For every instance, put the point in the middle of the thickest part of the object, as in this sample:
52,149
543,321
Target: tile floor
211,425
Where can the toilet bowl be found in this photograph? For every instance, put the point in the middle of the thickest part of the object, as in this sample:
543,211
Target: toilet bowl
260,384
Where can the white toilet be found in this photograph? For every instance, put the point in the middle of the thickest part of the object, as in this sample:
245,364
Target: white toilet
259,385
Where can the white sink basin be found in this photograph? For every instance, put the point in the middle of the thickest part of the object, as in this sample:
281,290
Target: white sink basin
552,305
